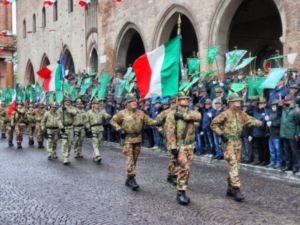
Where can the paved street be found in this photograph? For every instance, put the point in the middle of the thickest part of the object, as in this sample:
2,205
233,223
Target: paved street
37,191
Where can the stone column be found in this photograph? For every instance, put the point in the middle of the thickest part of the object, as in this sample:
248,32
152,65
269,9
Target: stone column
9,73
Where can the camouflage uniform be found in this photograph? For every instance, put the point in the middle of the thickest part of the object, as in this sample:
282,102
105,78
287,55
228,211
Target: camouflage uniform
18,120
94,121
38,116
30,119
231,122
132,121
7,122
67,117
52,123
175,130
3,125
79,132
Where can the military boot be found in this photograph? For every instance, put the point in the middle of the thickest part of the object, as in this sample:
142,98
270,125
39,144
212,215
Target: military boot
238,195
229,191
31,142
134,185
128,182
3,135
172,179
181,198
40,145
19,145
10,144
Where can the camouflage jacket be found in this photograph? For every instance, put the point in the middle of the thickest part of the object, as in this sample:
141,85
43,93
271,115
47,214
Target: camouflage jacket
18,117
175,129
80,118
38,114
51,120
232,122
30,117
95,119
67,117
132,121
2,112
162,118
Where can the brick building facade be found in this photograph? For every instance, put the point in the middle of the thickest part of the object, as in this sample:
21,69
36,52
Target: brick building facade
6,56
107,34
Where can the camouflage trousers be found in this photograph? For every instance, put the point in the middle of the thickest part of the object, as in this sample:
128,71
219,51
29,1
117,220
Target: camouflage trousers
39,132
20,128
232,155
79,134
96,141
30,128
185,158
131,151
3,127
66,143
10,132
171,168
52,142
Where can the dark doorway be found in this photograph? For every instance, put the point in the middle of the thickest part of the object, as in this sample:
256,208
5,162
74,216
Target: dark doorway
94,61
135,49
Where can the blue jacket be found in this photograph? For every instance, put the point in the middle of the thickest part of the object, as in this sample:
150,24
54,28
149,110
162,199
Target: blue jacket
202,99
259,114
109,110
274,94
205,118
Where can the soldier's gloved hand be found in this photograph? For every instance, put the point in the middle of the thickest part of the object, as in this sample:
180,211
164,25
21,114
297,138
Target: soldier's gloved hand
261,125
267,118
64,108
250,138
159,124
174,152
123,133
63,130
209,115
269,123
224,137
178,116
201,133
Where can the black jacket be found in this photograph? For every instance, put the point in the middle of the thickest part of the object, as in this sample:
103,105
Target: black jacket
274,130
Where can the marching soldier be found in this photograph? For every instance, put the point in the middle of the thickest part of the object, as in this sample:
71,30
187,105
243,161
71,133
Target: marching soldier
30,118
2,119
67,114
50,125
18,121
94,124
129,122
180,129
38,116
229,125
79,131
7,123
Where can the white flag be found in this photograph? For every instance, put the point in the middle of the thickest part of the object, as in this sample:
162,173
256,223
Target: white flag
291,58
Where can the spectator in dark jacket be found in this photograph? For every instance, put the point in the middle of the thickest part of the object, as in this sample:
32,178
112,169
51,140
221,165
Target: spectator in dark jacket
108,134
217,140
147,131
198,139
156,111
278,93
247,137
274,140
207,114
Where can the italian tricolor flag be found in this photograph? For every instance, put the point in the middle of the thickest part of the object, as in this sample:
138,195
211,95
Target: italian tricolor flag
84,2
4,33
6,2
51,74
49,2
157,72
12,105
1,49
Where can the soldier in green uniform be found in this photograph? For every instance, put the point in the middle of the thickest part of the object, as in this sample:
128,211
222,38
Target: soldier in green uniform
30,119
18,122
173,170
50,125
129,123
180,129
7,122
38,116
67,114
94,124
2,119
79,129
229,125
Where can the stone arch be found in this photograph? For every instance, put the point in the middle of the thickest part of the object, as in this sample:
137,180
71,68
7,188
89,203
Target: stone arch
45,61
129,38
167,29
93,60
221,25
29,74
69,62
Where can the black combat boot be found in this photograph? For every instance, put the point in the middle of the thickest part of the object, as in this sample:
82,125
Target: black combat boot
10,144
229,191
128,182
238,195
40,145
19,145
181,198
31,142
3,135
134,185
172,179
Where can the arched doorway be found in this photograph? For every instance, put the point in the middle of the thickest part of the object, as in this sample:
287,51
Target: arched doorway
131,46
30,78
45,61
257,26
94,61
69,63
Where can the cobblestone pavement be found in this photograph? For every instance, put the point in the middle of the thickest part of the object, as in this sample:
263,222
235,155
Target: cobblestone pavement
34,190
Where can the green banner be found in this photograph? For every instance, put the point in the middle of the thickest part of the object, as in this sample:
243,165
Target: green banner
244,63
276,57
232,60
254,89
193,65
211,55
83,88
94,91
236,87
208,73
127,82
273,77
187,87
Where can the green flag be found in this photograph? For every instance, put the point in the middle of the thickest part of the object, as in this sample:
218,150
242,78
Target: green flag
38,88
127,82
104,79
87,81
236,87
211,55
94,91
51,98
276,57
83,88
232,59
254,89
59,96
193,65
182,86
102,91
189,85
208,73
273,77
244,63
